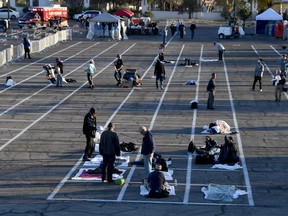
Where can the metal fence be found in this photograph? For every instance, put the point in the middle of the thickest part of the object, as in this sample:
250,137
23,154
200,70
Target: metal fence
16,52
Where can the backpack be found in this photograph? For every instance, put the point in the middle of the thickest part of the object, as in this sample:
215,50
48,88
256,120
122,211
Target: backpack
191,147
163,163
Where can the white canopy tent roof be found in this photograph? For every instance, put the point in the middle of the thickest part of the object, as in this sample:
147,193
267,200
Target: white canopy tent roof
269,14
104,18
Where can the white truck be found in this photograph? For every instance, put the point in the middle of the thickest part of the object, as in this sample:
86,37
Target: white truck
228,32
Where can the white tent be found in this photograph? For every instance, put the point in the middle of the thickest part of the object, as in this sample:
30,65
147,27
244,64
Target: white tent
269,14
96,28
266,20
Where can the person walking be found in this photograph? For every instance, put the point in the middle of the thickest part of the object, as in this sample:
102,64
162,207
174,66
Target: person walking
118,67
147,149
90,72
211,91
89,129
159,72
220,49
258,74
58,67
192,29
109,148
26,45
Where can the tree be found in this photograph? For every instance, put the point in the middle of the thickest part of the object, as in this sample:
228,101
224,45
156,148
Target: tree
188,6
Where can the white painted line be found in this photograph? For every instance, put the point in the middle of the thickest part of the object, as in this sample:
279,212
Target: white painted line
190,159
61,184
35,93
241,152
146,201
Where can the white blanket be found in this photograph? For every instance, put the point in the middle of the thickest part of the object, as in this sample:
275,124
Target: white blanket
225,166
144,191
96,177
96,161
222,192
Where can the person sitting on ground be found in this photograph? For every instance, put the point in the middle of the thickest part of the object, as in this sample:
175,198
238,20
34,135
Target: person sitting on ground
157,184
9,81
228,153
209,145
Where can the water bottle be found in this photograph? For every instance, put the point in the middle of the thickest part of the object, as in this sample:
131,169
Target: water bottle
175,182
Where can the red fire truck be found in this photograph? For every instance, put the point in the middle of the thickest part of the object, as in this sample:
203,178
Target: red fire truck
44,16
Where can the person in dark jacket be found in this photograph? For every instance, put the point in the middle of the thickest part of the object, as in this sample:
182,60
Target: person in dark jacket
157,183
159,72
147,149
89,129
211,91
118,65
26,45
228,153
109,148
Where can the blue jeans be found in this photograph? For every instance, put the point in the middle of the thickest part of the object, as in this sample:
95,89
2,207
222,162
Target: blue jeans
147,164
159,79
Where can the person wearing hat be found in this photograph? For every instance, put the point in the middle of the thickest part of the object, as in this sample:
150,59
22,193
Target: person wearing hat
109,148
258,74
147,149
159,72
90,72
157,183
118,67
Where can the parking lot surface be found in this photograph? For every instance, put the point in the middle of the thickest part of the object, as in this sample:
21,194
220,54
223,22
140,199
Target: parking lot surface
41,142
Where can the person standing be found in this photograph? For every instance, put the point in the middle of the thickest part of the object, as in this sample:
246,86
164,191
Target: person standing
109,148
159,72
118,67
258,74
279,80
181,29
192,29
211,91
90,72
26,45
220,49
165,35
147,149
89,129
283,64
58,67
172,28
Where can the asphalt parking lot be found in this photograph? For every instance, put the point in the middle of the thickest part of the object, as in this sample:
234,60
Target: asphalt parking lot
41,140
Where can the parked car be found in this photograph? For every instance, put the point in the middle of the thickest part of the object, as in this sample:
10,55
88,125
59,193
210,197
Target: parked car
12,13
29,19
86,14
